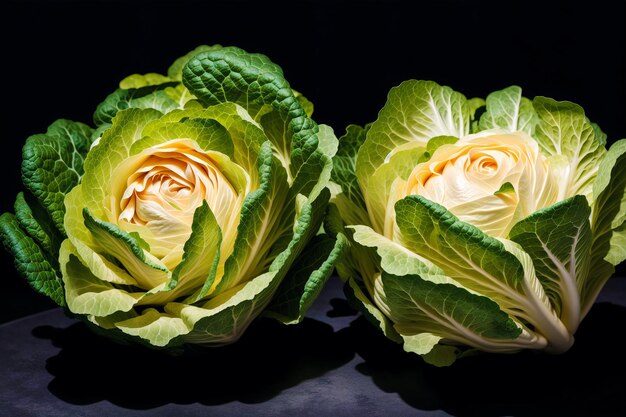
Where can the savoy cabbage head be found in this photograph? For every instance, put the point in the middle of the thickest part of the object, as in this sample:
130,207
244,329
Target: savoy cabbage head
185,211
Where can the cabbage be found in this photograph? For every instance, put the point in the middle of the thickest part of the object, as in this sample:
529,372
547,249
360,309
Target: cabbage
493,232
187,210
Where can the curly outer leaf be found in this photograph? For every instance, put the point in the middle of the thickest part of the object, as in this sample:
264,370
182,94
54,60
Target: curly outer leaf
36,222
148,97
253,81
305,280
344,163
30,260
52,164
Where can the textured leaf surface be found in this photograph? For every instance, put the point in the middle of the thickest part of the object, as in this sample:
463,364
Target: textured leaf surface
462,251
259,215
224,318
445,310
254,82
175,71
245,133
508,110
144,267
86,293
564,130
52,164
209,134
381,188
157,328
113,149
558,239
415,112
356,296
607,224
306,279
30,260
148,97
37,223
395,259
201,255
497,269
344,164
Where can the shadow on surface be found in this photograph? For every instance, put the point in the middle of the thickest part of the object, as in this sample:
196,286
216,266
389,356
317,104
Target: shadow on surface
588,380
269,358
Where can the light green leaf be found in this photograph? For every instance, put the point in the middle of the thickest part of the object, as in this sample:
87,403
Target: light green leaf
108,323
564,130
497,269
438,141
209,134
306,279
201,255
30,260
505,188
420,306
607,221
508,110
415,112
420,343
81,239
380,192
327,142
260,213
474,104
147,270
600,135
476,109
245,133
224,318
143,80
537,309
157,328
617,253
558,239
466,254
396,259
181,96
356,295
344,164
610,182
52,164
149,97
314,175
140,241
113,149
87,294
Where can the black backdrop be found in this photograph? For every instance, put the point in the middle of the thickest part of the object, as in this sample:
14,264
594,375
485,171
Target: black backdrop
60,59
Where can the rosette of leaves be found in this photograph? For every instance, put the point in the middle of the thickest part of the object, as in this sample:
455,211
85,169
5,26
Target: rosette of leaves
478,233
187,211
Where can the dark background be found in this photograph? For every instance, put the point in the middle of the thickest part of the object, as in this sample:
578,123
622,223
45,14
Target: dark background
60,59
